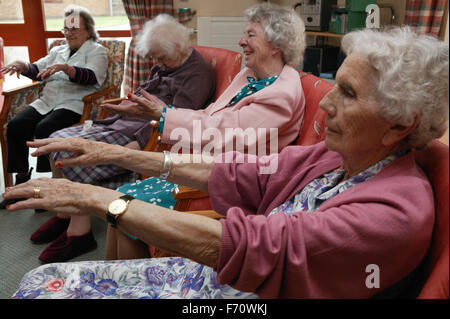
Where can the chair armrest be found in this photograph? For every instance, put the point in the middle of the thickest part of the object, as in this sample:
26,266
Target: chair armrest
20,89
99,94
94,100
16,99
184,192
114,101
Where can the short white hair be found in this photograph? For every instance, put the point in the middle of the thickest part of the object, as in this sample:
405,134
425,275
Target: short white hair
411,79
166,33
283,28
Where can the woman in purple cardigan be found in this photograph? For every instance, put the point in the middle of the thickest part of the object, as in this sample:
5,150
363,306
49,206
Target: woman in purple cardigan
181,78
346,218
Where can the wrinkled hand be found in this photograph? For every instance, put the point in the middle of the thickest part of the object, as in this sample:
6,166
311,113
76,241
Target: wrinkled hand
61,196
15,67
49,71
148,106
87,153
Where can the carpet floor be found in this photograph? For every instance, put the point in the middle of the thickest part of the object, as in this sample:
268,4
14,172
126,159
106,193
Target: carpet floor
18,254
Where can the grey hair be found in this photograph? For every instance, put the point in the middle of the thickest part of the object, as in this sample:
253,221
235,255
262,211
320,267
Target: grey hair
283,28
411,79
87,18
165,32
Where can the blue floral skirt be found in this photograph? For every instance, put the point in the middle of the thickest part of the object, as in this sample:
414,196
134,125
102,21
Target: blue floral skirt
158,278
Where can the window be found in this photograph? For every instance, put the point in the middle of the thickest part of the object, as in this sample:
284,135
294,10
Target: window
108,14
11,11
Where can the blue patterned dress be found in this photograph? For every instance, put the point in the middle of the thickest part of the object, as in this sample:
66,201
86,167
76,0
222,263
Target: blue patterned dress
164,278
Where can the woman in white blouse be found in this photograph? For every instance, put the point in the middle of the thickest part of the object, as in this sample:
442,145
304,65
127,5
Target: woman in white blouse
71,72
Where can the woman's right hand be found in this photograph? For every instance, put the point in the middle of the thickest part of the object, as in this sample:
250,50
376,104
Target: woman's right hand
17,67
86,152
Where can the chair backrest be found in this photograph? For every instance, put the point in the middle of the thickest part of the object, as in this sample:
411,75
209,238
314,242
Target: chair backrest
226,64
116,62
434,160
313,126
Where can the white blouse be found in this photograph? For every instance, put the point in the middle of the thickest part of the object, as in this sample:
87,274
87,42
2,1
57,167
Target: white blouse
59,92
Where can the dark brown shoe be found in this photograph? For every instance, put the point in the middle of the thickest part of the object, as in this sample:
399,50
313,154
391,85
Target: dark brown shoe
50,230
66,247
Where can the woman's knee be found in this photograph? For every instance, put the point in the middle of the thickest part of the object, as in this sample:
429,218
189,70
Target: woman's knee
42,130
17,127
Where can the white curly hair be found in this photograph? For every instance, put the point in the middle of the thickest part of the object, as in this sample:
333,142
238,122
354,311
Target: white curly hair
165,32
412,78
283,28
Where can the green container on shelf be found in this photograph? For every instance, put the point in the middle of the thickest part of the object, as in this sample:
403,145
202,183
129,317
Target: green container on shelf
358,5
336,23
356,20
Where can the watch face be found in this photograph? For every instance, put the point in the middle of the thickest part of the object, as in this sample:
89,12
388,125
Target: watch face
117,206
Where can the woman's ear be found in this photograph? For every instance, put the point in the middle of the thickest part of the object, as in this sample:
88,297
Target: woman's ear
276,51
397,132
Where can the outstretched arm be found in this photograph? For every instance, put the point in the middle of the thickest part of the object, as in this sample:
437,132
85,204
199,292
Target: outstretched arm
189,170
191,236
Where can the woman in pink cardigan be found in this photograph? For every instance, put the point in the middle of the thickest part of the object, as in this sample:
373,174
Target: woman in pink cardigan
350,217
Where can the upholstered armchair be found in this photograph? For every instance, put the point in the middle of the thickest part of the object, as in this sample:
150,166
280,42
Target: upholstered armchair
17,99
434,161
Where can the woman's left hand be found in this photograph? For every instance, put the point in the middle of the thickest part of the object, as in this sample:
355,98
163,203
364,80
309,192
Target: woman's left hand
86,152
148,106
49,71
61,196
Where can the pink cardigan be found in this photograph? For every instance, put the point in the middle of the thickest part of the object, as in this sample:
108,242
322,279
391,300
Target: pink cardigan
386,221
280,105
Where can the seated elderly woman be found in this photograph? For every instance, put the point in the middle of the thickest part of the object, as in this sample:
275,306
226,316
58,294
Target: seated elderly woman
71,71
181,77
310,229
265,96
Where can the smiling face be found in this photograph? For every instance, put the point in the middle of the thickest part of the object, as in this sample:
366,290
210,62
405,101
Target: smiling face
355,129
257,50
76,36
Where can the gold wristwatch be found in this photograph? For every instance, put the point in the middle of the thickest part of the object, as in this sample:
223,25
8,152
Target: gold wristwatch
117,208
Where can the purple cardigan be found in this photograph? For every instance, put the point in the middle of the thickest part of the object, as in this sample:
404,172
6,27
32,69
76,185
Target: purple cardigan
191,86
386,221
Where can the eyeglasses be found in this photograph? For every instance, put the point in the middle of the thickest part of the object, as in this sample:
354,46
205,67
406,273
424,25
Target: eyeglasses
71,30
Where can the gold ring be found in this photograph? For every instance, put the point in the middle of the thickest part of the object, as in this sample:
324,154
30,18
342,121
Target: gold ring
37,191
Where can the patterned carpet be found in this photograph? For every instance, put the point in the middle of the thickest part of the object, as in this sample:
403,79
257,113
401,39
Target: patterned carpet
18,254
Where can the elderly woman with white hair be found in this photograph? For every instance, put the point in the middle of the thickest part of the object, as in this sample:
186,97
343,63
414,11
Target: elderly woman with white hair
181,78
309,230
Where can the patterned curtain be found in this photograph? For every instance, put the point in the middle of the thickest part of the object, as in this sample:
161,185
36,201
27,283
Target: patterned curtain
137,69
425,16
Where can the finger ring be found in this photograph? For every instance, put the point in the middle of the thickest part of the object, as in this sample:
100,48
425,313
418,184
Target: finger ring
37,192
